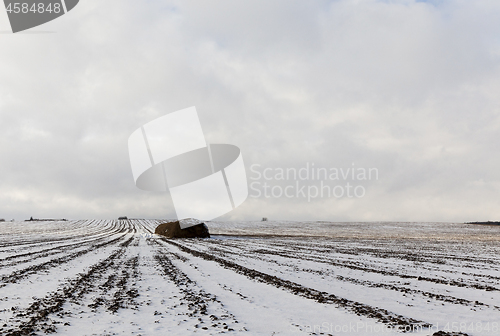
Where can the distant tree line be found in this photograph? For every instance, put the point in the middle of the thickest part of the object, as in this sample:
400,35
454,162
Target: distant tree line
485,223
45,220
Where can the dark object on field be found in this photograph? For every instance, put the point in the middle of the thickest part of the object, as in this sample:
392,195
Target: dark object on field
445,333
2,220
173,230
122,218
484,223
264,219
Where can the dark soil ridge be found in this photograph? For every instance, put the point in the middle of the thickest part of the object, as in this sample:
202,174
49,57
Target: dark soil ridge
360,309
391,273
36,316
21,274
420,257
438,297
48,252
50,241
196,298
124,295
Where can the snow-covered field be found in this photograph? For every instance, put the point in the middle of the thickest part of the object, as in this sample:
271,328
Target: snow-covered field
96,277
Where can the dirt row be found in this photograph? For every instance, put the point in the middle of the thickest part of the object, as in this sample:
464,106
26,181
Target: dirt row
196,299
358,308
73,229
60,249
354,266
36,317
385,251
438,297
115,283
18,275
111,285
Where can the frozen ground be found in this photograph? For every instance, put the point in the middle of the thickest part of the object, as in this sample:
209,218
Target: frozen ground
255,278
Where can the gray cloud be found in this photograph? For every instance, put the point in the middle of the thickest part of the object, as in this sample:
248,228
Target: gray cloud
407,87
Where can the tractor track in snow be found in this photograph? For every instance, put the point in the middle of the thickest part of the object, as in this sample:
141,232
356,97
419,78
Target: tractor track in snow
360,309
18,275
195,298
37,317
261,256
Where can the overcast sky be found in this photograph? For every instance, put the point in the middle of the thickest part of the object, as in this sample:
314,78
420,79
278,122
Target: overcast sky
411,88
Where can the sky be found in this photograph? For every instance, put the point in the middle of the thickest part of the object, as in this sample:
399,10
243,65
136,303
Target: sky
409,89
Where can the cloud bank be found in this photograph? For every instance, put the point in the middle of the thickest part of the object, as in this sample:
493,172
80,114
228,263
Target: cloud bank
407,87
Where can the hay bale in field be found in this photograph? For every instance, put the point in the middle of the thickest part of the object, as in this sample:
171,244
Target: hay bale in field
173,230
